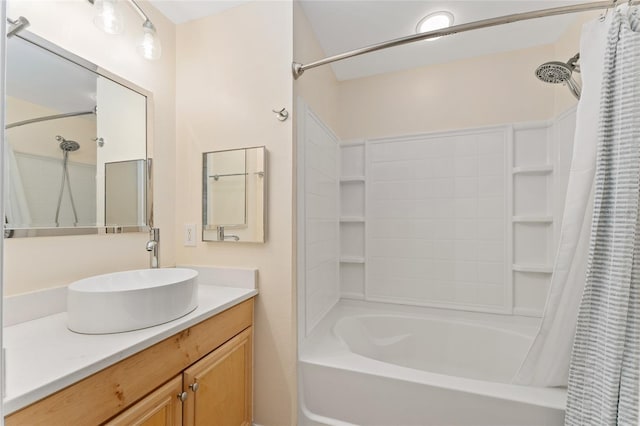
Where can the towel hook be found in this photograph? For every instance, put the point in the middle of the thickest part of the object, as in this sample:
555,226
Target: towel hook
281,115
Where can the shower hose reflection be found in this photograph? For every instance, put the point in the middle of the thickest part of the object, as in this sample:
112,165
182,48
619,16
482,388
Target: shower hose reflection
66,146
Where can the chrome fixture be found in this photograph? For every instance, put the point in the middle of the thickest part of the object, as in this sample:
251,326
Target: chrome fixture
49,117
66,146
561,73
281,115
17,25
99,141
109,19
223,237
153,247
298,69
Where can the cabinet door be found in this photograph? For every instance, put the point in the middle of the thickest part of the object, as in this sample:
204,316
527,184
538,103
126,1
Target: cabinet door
162,407
222,394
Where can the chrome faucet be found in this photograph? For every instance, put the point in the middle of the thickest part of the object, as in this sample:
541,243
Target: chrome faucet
223,237
152,247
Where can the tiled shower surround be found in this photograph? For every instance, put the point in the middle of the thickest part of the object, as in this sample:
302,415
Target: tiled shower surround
465,219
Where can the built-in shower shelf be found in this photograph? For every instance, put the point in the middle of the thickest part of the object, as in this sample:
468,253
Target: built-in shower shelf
352,259
533,170
346,179
540,269
352,219
532,219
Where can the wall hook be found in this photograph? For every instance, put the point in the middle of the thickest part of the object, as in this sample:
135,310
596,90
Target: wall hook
281,115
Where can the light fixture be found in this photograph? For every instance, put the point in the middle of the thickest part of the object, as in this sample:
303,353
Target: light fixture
434,21
110,20
149,45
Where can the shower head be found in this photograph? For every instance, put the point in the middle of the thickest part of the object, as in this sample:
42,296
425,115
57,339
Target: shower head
67,145
554,72
15,26
560,72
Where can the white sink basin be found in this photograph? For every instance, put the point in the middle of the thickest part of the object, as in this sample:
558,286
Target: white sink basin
130,300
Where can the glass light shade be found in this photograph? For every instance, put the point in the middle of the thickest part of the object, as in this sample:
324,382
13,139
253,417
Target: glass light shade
109,18
434,21
149,45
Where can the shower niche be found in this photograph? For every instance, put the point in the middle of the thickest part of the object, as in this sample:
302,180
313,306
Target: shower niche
352,219
76,151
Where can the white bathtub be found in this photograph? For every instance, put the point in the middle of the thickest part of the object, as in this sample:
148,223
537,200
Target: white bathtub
385,365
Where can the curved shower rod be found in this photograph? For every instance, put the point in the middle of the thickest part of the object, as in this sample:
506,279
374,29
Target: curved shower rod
49,117
298,69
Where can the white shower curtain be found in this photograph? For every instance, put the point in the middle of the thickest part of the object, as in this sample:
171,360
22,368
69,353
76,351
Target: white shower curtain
547,362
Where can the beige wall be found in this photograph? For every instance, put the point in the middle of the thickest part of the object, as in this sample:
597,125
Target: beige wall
36,263
318,87
487,90
232,70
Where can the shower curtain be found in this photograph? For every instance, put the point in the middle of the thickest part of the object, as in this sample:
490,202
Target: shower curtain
547,362
603,377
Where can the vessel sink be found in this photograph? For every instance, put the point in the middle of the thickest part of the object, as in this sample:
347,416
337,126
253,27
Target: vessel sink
130,300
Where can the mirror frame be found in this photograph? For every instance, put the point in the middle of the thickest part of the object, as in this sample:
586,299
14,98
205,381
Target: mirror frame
88,230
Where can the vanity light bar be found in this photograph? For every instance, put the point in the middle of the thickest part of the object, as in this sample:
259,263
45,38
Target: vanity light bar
149,45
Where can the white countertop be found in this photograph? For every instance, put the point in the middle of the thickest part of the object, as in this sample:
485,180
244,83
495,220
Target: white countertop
43,356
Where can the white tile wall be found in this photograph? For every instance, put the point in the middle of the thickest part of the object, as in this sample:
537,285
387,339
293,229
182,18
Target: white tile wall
436,220
438,229
320,199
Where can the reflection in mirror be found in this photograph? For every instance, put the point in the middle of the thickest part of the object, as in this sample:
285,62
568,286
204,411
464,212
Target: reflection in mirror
66,120
124,193
233,191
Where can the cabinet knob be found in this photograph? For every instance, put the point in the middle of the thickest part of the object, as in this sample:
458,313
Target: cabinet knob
182,396
194,386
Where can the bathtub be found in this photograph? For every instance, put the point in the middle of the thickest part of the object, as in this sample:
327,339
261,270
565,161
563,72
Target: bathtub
375,364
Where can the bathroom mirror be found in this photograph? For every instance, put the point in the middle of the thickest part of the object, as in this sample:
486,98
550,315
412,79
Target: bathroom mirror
76,151
233,189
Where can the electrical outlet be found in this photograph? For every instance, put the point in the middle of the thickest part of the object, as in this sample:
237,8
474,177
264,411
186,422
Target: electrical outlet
190,235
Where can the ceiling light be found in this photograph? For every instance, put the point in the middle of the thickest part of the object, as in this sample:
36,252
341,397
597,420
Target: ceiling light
434,21
109,18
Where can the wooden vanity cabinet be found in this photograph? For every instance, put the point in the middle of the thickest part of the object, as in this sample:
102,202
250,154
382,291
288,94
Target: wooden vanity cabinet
219,386
200,376
162,407
214,391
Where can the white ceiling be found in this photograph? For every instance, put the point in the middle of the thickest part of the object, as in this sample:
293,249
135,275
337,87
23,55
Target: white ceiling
343,25
181,11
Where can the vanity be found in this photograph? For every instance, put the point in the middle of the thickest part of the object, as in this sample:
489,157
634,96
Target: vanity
79,164
194,370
